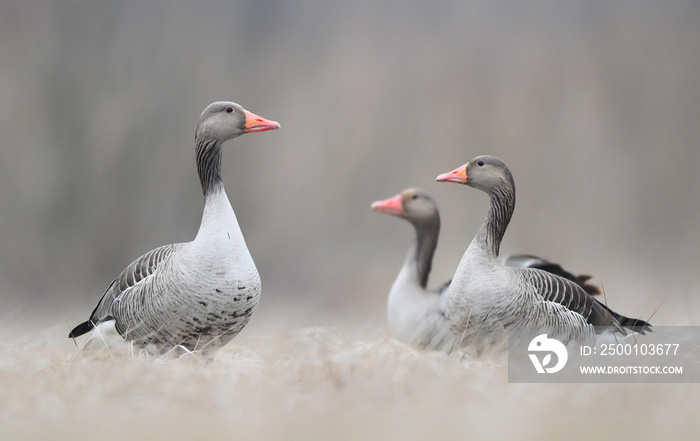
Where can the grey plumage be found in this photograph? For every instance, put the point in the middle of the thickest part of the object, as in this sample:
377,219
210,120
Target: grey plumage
530,261
416,313
196,294
487,299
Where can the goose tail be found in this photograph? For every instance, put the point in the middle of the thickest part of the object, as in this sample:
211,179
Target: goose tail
81,329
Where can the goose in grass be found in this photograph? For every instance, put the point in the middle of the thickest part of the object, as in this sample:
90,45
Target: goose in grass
416,313
199,294
487,299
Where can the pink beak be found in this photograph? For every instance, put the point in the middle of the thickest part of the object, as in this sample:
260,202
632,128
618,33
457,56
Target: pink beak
255,123
393,205
458,175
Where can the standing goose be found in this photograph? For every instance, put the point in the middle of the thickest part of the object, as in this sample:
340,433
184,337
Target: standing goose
416,314
490,299
196,294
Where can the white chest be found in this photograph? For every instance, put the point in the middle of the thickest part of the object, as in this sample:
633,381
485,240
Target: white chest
219,252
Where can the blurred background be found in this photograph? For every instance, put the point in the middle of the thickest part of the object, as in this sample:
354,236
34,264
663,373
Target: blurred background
595,107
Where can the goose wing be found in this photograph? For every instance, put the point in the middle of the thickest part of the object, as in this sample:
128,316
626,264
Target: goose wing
127,283
635,324
573,297
530,261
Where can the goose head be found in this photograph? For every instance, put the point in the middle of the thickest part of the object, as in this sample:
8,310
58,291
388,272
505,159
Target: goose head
412,204
224,120
221,121
487,173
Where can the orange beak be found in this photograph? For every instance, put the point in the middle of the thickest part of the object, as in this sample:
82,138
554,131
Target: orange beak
255,123
393,205
458,175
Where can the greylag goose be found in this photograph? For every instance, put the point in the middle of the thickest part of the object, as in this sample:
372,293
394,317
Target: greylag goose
196,294
415,313
490,299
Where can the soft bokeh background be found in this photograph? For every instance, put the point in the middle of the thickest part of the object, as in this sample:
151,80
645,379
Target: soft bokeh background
594,105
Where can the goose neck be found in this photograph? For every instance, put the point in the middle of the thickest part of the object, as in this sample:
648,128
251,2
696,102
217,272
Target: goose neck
494,227
208,153
420,256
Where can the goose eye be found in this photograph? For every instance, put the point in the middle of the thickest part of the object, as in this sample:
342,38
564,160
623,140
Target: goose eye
479,163
229,109
414,197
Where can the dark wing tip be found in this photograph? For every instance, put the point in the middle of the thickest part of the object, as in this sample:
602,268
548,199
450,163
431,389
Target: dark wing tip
582,281
636,325
81,329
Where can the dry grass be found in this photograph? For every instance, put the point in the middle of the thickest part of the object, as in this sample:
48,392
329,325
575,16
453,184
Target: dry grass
318,383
